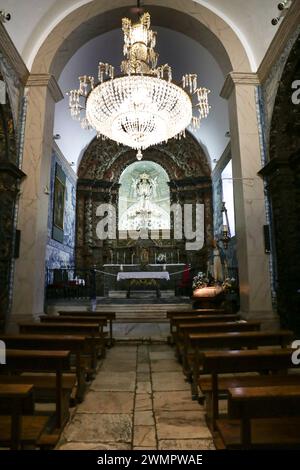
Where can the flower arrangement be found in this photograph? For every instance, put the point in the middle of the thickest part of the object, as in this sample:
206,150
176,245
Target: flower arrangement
201,280
161,258
229,285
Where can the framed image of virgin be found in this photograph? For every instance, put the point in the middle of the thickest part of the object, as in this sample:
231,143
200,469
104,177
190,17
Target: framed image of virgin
59,204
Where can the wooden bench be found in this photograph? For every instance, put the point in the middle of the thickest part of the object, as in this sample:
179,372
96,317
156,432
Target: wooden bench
174,320
237,362
262,418
77,345
100,321
110,316
183,330
198,342
90,330
41,361
198,311
15,430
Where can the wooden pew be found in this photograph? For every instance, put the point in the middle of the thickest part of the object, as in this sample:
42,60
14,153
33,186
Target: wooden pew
17,429
262,418
183,330
198,311
230,340
100,321
90,330
110,316
41,361
174,320
237,362
77,345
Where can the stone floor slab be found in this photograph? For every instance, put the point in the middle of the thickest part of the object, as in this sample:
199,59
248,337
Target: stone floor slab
115,381
94,446
175,401
186,444
143,387
160,355
181,425
165,365
107,402
143,418
143,402
144,436
169,381
99,428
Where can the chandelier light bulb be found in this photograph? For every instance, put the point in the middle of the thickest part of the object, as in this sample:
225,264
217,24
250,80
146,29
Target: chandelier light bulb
143,106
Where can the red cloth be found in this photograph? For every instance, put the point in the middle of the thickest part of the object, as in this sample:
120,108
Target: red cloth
186,277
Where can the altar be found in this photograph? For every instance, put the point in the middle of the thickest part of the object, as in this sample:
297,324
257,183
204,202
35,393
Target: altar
158,277
137,278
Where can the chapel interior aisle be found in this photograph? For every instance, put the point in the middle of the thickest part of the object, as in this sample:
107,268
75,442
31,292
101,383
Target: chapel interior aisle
138,400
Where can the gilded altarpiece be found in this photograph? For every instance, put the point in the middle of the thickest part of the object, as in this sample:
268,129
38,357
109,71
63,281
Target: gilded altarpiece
98,182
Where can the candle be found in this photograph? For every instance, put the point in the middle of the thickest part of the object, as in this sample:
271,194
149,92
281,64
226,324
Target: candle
132,258
111,257
155,257
178,256
124,257
225,228
118,258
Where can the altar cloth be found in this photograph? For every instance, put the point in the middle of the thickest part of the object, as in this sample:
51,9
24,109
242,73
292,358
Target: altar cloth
144,275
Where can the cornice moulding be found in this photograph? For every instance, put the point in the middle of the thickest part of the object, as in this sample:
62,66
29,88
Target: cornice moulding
238,78
46,80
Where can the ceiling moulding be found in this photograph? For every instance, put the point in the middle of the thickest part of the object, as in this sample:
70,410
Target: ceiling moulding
237,78
10,52
46,80
286,29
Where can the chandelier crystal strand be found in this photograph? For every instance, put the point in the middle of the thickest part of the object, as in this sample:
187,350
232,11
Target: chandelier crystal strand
143,106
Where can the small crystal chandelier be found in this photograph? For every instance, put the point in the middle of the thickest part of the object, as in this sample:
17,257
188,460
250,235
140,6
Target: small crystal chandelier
142,106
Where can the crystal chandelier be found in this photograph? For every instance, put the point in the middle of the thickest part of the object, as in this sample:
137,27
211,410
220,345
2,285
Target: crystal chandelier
142,106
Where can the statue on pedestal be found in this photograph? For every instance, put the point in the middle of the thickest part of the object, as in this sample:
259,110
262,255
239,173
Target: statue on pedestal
216,263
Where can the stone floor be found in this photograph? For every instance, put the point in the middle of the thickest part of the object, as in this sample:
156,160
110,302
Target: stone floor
138,400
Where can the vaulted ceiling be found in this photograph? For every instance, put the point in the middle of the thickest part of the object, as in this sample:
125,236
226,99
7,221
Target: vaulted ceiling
32,21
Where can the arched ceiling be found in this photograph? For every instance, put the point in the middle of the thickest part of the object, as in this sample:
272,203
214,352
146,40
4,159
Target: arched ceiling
181,52
33,20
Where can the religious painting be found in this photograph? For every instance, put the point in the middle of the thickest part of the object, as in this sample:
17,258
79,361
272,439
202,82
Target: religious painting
59,204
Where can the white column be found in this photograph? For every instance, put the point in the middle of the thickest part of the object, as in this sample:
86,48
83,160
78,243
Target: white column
255,288
29,279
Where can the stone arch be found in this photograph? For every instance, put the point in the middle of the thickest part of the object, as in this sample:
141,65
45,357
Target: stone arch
91,20
105,160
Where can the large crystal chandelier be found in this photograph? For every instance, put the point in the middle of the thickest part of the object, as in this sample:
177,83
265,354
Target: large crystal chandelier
142,106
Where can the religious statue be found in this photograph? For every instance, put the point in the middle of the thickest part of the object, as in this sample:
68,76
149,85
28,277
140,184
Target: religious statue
216,263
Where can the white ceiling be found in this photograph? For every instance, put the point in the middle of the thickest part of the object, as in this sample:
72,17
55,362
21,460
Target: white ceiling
179,51
32,20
